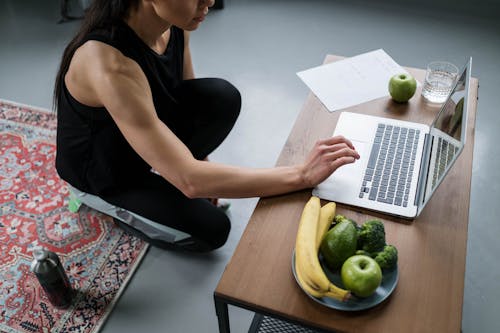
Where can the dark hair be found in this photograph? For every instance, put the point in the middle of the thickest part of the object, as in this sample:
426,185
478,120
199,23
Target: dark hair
100,14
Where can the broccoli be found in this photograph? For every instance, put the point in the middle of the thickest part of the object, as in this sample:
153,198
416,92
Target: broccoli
339,218
371,236
388,257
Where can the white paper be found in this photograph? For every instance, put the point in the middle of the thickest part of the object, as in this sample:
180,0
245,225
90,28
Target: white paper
352,81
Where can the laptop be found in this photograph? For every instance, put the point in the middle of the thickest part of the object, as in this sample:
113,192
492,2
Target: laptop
402,163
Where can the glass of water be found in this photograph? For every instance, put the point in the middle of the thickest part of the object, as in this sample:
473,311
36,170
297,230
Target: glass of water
439,80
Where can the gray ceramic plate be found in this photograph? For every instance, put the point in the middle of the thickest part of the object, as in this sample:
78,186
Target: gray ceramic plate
389,282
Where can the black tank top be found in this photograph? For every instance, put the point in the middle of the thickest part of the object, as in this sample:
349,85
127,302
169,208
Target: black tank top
92,154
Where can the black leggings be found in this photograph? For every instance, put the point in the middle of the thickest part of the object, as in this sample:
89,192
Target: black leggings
208,109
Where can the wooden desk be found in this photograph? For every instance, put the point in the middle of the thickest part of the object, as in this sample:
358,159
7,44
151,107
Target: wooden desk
432,248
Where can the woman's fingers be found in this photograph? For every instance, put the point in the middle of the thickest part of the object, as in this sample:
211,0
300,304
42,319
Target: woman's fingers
326,157
338,150
337,163
336,147
339,139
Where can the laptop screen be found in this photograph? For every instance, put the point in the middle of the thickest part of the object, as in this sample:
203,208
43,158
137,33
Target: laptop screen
447,136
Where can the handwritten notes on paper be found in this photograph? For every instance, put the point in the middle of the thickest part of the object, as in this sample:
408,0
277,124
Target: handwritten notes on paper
352,81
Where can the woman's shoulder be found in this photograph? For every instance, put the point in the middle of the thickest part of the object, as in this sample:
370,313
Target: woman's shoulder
95,63
100,55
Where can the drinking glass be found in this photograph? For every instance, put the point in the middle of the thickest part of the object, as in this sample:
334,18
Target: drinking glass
439,80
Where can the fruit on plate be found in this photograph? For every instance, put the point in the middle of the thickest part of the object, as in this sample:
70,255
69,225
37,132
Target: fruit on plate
361,275
339,243
402,87
308,269
326,216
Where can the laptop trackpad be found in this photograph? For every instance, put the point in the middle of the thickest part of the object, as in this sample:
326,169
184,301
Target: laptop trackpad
346,180
355,169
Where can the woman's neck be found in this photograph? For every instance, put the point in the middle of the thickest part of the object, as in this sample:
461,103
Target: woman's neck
148,26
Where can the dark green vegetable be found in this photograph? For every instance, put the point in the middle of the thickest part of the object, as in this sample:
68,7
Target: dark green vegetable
371,236
388,257
338,244
339,218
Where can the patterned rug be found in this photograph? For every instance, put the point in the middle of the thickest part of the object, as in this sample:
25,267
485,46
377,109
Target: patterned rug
98,257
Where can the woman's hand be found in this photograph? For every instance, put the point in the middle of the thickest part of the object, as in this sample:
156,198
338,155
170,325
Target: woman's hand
326,157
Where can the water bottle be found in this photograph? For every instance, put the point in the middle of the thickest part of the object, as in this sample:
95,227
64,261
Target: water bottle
52,277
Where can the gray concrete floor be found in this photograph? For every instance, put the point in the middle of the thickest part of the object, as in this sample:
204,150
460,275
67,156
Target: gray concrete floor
259,45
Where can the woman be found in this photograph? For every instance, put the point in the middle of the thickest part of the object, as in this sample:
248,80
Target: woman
128,103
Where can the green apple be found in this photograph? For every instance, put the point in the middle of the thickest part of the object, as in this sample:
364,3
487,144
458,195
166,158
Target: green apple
361,275
402,87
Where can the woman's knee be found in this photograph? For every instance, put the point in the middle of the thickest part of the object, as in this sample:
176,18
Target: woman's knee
213,231
208,226
216,97
226,94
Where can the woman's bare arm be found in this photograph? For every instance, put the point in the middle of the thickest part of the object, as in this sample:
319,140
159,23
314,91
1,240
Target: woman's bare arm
118,83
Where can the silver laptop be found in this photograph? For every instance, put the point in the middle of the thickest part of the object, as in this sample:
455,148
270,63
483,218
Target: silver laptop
402,163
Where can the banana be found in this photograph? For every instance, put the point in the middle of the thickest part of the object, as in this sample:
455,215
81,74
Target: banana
332,292
305,246
308,269
326,215
338,293
306,285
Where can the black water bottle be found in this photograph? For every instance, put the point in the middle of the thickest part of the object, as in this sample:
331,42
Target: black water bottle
52,277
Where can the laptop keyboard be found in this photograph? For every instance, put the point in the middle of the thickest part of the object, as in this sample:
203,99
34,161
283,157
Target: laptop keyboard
390,168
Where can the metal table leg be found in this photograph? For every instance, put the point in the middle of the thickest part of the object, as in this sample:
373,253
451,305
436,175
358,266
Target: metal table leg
222,315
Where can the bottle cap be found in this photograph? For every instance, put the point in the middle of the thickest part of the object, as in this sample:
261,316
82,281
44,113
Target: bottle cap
40,255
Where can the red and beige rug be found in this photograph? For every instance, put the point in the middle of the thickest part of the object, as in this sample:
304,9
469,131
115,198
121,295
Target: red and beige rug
98,257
